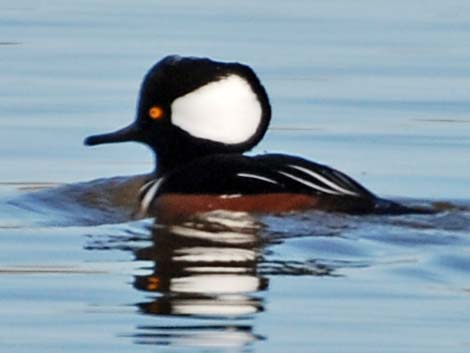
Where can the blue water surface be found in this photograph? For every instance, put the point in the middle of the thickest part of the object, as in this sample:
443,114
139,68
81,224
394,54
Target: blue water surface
378,90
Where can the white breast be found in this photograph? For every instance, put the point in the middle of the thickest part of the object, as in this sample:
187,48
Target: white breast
225,111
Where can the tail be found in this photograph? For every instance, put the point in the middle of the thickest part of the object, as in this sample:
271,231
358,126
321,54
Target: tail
387,207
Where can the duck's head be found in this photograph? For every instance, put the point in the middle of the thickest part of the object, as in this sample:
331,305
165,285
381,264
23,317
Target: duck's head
191,107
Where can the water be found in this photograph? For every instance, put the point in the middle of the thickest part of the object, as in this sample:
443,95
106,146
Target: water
378,90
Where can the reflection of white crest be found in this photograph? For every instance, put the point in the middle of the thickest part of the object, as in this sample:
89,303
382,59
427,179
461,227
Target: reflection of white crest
226,111
219,306
215,284
228,237
202,254
210,336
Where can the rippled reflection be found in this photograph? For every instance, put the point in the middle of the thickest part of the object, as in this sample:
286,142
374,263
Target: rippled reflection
207,276
203,268
197,335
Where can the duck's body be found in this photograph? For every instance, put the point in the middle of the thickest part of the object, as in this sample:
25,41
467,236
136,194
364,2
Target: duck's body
200,116
263,184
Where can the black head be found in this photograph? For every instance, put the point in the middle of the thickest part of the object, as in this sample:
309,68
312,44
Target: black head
191,107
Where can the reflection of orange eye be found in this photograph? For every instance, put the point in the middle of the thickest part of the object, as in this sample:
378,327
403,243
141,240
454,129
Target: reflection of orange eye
153,283
156,112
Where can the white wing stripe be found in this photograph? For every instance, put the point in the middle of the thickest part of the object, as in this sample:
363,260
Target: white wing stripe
324,180
144,187
312,185
254,176
149,196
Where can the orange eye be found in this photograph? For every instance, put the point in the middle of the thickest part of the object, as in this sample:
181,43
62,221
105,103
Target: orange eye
156,112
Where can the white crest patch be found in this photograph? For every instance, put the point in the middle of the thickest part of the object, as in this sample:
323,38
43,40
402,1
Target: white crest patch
226,111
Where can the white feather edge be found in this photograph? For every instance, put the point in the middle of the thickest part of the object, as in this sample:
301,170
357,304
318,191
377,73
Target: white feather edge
149,195
309,184
258,177
324,180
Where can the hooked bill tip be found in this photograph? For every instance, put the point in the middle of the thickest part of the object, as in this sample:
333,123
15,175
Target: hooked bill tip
90,141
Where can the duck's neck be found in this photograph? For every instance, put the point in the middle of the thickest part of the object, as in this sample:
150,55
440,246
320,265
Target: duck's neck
167,163
175,149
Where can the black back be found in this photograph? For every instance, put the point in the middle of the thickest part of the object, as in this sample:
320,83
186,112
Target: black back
230,174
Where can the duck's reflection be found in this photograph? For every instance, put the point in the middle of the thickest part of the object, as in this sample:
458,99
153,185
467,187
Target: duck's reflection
215,336
203,268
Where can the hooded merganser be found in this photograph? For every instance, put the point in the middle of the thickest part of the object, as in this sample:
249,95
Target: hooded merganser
199,116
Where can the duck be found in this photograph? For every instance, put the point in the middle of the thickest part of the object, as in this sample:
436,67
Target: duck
200,117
